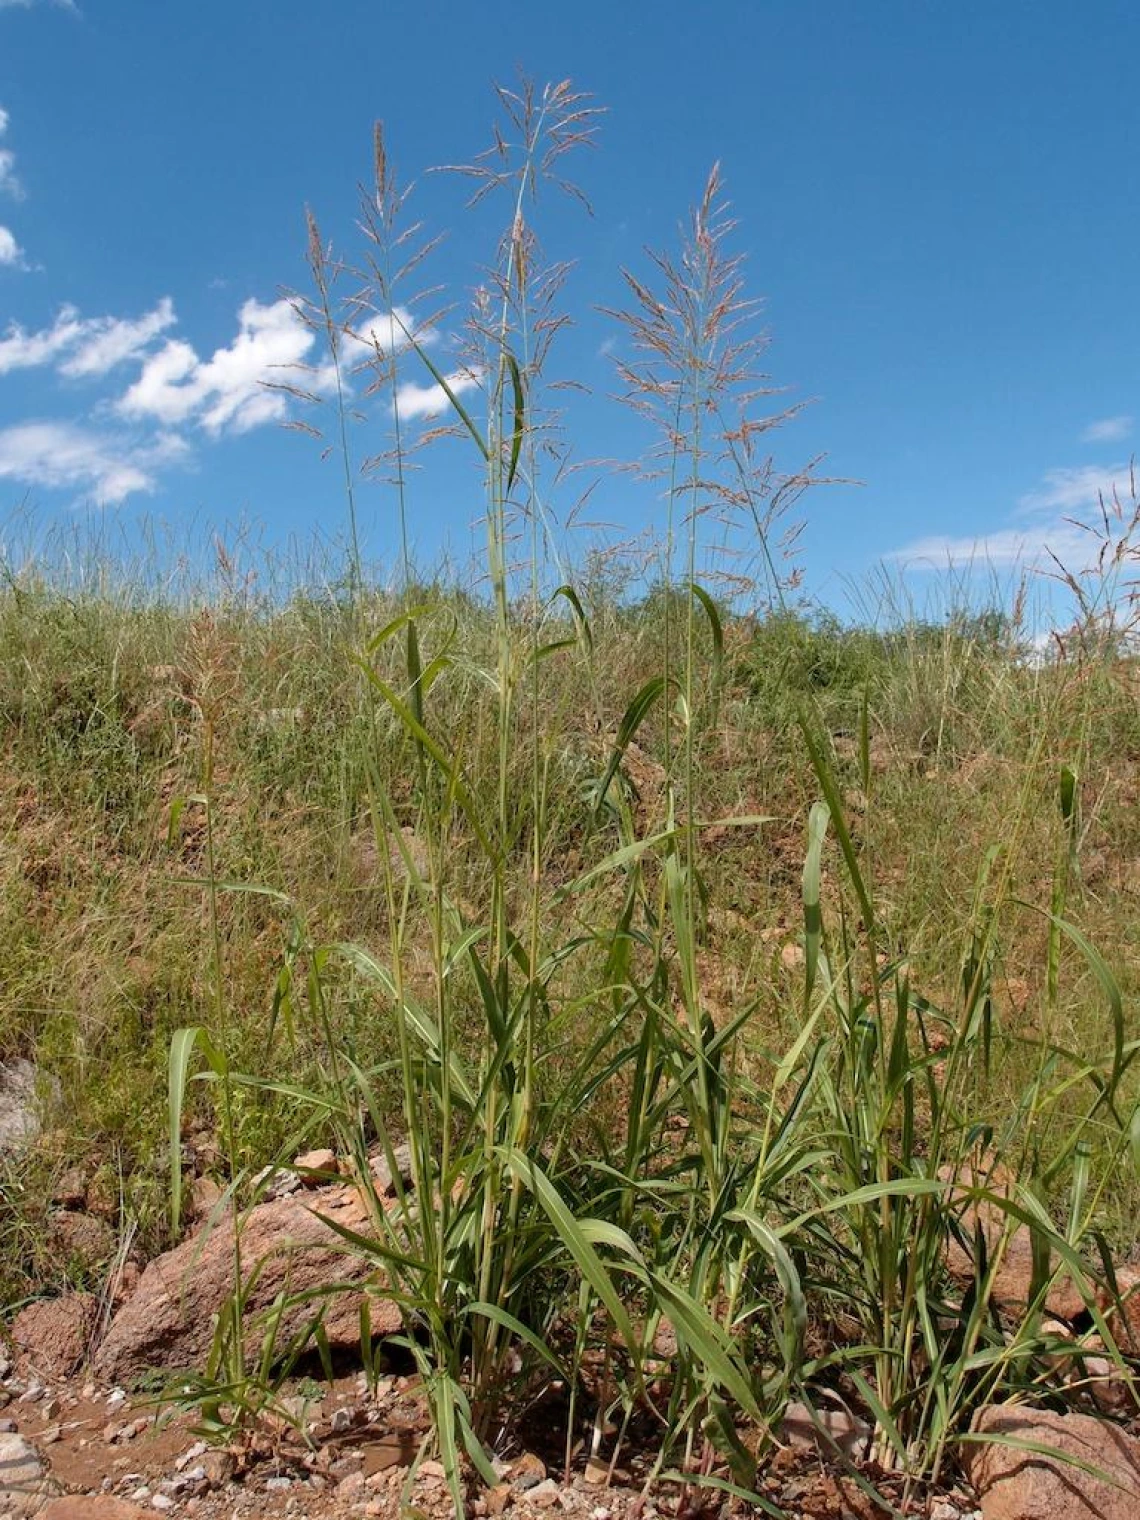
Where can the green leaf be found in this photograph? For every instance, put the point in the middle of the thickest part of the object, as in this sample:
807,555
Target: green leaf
520,418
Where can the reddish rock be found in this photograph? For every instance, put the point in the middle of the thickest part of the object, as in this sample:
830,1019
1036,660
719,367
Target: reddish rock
93,1507
827,1431
1015,1484
168,1321
204,1194
312,1164
55,1333
1124,1322
1014,1276
83,1237
70,1191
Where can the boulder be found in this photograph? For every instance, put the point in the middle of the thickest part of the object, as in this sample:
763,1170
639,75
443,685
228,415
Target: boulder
55,1333
168,1322
1016,1484
24,1483
1014,1276
20,1109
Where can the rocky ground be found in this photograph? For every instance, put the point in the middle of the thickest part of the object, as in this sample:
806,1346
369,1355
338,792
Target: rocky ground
78,1442
75,1450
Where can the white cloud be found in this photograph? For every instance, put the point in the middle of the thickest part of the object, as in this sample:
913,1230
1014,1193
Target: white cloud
386,331
1107,430
227,390
11,254
1072,490
85,346
999,550
429,400
1049,515
108,341
9,184
68,456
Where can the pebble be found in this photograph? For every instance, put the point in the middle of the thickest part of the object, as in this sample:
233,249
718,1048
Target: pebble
597,1471
192,1454
528,1472
545,1494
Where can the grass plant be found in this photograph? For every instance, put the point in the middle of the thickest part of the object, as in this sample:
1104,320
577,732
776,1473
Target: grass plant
720,967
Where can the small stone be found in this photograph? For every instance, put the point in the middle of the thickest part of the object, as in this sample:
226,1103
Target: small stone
49,1435
191,1454
545,1494
313,1162
219,1466
162,1502
204,1194
382,1172
597,1471
342,1420
824,1430
527,1472
496,1499
278,1485
53,1407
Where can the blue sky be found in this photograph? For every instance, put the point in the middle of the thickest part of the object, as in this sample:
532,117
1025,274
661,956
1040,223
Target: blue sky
937,202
